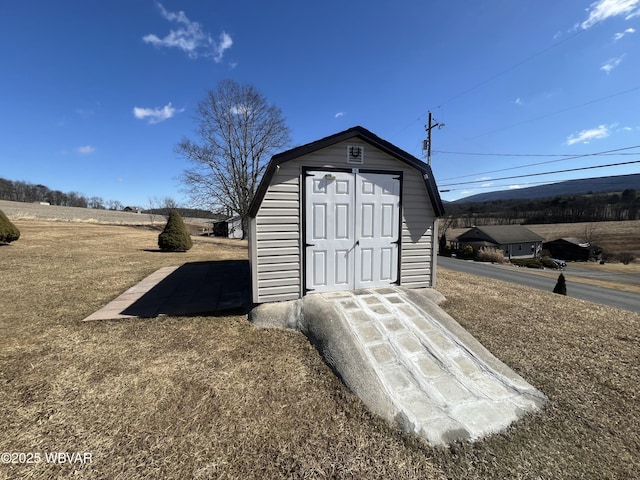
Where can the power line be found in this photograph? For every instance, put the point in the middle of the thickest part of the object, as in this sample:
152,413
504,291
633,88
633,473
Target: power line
596,154
512,67
543,173
563,110
497,75
531,154
525,185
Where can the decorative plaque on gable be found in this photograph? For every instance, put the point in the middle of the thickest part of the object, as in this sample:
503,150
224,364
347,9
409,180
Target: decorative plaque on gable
355,154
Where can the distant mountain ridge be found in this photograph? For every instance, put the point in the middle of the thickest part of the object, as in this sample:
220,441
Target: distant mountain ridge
582,186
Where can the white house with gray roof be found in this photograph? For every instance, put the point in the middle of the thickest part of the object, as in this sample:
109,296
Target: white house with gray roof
515,241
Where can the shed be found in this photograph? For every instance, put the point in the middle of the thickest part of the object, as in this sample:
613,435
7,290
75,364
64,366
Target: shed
345,212
515,241
571,248
235,227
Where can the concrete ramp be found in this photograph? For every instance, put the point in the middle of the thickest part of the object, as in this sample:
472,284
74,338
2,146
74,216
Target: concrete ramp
412,364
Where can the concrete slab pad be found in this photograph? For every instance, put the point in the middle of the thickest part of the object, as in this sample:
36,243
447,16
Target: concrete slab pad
190,289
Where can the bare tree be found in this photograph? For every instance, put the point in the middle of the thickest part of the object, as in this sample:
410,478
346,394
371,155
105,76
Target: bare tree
114,205
95,202
169,203
591,233
238,132
153,203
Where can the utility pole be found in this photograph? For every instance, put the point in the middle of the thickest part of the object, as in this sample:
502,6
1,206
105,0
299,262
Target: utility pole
428,128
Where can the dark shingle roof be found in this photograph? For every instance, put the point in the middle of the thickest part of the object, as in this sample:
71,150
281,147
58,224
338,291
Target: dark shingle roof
503,234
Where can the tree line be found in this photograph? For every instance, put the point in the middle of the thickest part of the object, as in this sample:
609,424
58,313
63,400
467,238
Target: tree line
21,191
600,207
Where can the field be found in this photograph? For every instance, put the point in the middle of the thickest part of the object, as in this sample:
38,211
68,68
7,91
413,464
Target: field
35,211
215,397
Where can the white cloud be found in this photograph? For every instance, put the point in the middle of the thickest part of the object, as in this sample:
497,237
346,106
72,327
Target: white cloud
619,35
611,64
519,101
515,187
190,37
602,9
339,114
155,115
85,150
488,182
219,48
601,131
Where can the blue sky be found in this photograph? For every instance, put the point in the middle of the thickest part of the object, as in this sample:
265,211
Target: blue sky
96,94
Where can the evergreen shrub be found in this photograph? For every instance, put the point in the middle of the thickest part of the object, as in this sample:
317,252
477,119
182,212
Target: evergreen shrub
467,252
175,237
549,263
527,262
626,257
561,286
8,231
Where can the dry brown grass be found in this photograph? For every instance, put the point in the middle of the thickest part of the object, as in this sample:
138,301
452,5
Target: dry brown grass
215,397
584,356
203,397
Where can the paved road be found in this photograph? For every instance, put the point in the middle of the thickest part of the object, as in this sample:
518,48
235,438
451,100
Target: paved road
522,276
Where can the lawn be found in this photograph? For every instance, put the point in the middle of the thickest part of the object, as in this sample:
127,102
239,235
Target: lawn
215,397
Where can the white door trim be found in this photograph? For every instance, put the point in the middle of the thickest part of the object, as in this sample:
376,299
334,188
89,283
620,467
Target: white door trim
351,228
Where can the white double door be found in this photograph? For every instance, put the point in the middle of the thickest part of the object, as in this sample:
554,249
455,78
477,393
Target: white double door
352,230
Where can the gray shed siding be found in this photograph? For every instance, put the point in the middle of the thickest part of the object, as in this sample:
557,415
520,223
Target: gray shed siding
277,227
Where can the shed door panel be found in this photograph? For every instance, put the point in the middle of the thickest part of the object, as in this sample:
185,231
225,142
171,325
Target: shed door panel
352,229
329,231
377,227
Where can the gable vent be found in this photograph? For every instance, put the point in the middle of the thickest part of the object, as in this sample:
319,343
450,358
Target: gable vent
355,154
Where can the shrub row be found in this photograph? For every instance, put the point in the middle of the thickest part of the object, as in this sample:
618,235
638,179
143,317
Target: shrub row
544,262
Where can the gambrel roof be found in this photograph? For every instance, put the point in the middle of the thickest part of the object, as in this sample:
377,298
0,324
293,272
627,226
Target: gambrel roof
354,132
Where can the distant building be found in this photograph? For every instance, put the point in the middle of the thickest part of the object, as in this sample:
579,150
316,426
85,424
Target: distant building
235,227
230,227
132,209
515,241
572,248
